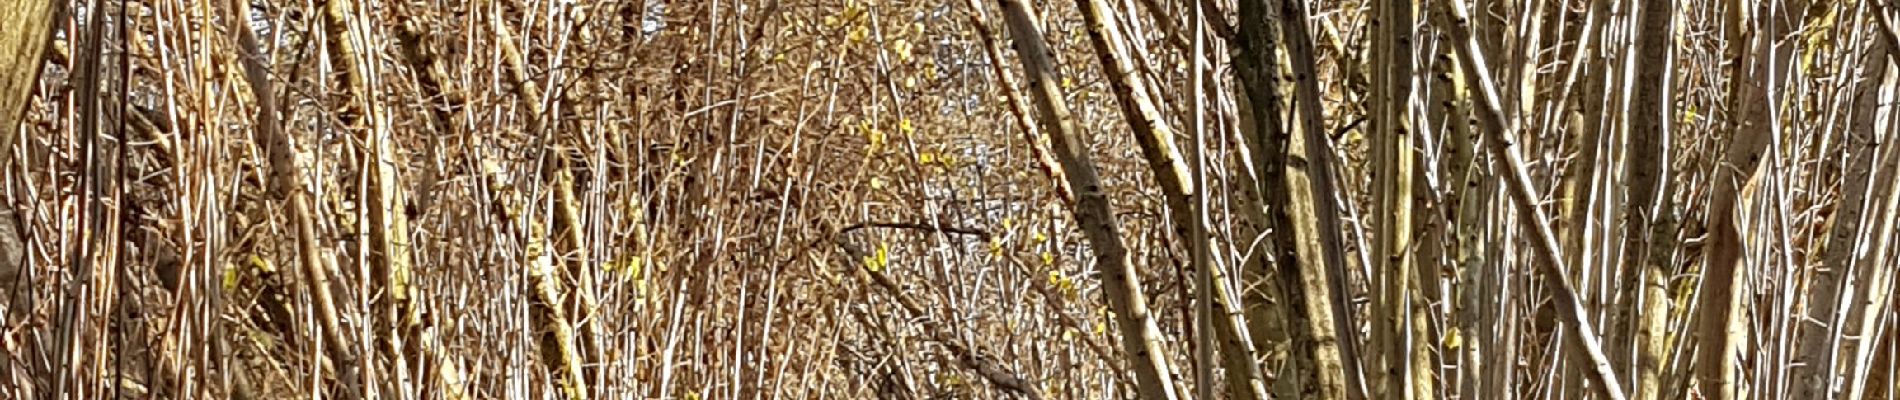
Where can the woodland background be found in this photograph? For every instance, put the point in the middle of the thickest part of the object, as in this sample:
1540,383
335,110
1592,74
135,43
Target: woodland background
810,199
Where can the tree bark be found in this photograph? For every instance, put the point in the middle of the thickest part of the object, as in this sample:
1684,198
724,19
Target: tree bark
1816,351
573,343
1648,234
287,182
1121,284
1393,159
397,315
1310,158
1722,332
1297,189
1876,273
22,47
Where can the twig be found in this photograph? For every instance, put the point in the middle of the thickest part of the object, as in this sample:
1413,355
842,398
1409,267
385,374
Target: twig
979,233
1492,117
974,360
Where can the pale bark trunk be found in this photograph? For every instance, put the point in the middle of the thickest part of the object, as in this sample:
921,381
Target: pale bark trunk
22,47
1582,113
1310,180
1287,173
1648,234
287,181
1817,349
1721,330
1392,156
1018,107
1121,284
569,346
1461,203
423,59
388,225
1876,272
1864,318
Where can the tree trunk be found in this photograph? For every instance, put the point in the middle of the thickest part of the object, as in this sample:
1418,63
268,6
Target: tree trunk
569,345
287,181
22,46
397,315
1721,330
1305,244
1393,159
1648,234
1121,284
1876,272
1816,351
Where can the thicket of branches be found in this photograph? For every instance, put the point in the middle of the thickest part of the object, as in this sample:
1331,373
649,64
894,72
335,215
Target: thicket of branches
1157,199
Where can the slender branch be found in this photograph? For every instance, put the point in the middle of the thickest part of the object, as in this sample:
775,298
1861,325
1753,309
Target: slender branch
287,181
998,376
1499,129
979,233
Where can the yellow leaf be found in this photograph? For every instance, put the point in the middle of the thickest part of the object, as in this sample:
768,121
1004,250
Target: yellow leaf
1048,258
1063,284
640,291
877,183
875,136
852,10
1452,340
905,126
633,266
262,264
857,34
902,48
996,247
876,262
1039,238
230,279
926,157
